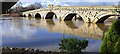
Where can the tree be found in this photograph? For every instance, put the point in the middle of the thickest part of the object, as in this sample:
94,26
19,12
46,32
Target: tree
73,45
111,38
34,6
17,8
37,5
117,46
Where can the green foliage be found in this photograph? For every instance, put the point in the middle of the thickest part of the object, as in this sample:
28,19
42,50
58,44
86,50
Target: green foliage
104,46
117,46
73,45
111,38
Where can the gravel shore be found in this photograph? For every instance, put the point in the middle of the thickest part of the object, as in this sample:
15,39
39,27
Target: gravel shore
8,50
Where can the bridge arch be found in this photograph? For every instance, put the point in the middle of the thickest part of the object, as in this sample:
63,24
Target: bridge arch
29,15
50,15
70,16
103,18
37,16
103,15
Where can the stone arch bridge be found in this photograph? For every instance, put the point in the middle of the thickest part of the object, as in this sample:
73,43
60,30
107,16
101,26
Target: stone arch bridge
91,14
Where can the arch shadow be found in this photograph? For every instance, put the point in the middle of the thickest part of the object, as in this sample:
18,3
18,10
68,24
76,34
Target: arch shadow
71,24
102,26
29,15
50,15
24,15
37,16
79,18
71,16
50,22
102,19
20,15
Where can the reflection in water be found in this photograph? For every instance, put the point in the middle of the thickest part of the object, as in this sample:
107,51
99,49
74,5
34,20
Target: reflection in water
85,30
37,18
91,31
70,24
46,34
50,22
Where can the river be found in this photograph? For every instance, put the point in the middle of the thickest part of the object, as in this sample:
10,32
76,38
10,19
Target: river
46,34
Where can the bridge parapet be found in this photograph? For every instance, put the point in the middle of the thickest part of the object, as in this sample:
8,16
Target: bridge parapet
88,7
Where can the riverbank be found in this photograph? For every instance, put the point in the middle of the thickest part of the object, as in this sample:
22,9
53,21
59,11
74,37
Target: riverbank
11,15
4,15
19,50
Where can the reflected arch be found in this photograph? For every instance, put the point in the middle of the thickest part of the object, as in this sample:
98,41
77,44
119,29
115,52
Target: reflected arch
50,15
37,16
72,15
71,24
102,19
50,23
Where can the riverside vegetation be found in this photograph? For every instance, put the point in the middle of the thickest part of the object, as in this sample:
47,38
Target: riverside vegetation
111,41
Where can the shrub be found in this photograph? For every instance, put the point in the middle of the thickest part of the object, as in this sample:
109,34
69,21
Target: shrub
111,38
73,45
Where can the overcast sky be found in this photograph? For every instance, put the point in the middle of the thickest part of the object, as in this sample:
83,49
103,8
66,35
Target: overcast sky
68,2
